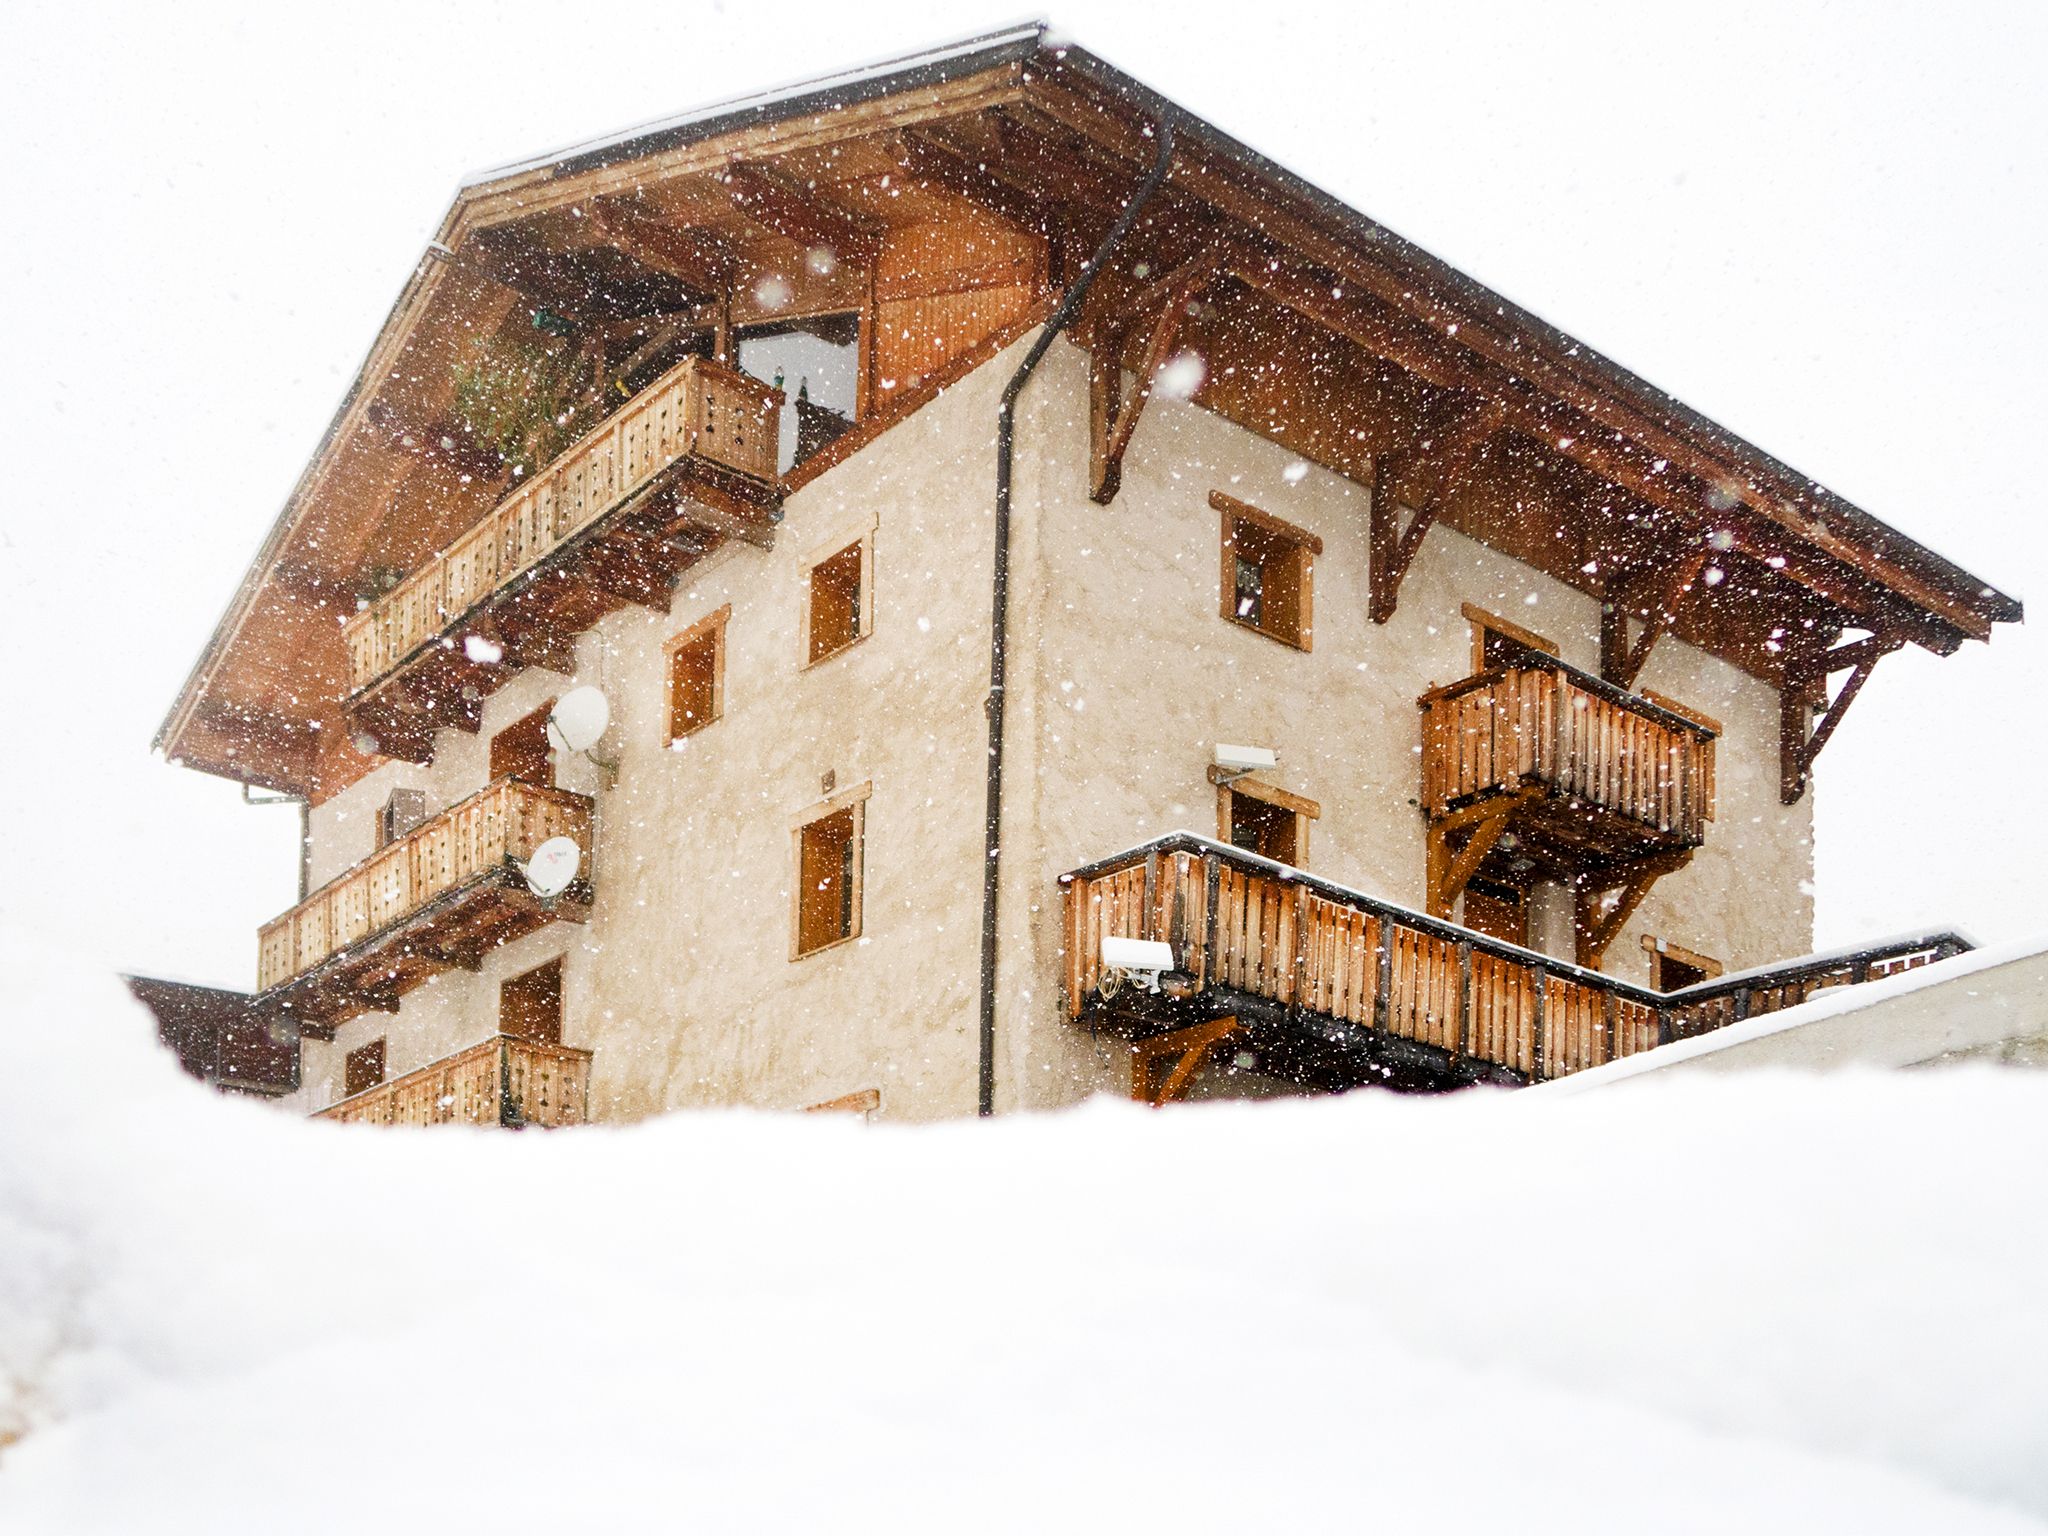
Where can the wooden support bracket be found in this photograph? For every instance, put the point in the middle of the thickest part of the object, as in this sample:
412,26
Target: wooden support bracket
1800,734
1111,418
1621,661
1192,1046
1450,869
1595,929
1391,548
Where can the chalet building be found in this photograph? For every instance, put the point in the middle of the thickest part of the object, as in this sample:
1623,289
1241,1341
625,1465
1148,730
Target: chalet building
1440,696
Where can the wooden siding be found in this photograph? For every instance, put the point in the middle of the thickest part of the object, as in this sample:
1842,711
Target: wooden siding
1242,925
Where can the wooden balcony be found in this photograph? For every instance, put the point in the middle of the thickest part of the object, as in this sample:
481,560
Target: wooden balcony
1331,989
615,519
1542,770
1628,773
503,1081
439,898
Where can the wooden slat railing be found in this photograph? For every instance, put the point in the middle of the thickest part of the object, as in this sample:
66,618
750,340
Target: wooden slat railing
698,407
505,820
1553,726
503,1081
1242,924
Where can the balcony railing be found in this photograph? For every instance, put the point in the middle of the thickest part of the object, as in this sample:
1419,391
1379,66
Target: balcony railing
1334,975
503,1081
446,879
698,411
1553,727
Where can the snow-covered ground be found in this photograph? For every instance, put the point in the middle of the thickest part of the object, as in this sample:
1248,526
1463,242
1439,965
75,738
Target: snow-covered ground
1738,1305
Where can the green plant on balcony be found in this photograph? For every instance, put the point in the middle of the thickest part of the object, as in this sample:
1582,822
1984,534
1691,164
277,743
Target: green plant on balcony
524,398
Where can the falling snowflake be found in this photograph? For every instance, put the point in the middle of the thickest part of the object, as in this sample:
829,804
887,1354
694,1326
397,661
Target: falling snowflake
1181,376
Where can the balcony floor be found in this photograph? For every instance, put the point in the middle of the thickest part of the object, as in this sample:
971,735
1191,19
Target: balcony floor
452,932
1562,837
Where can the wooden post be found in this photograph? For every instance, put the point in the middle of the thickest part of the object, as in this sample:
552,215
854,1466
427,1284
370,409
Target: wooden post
1148,923
1381,992
1537,1065
1213,918
1464,1001
1300,981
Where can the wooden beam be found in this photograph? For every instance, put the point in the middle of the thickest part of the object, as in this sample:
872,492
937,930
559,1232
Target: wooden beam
1594,930
1449,871
1192,1045
1392,550
1621,662
934,161
1800,736
1112,419
694,257
795,211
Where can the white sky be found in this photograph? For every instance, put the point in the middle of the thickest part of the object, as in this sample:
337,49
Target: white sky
1817,223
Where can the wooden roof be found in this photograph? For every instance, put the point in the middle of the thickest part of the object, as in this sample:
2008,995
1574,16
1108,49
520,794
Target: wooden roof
972,169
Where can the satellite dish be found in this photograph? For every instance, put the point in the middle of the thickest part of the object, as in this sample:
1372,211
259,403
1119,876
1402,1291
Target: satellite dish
553,866
578,719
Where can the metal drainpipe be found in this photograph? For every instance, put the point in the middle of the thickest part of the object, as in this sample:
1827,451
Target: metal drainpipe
999,633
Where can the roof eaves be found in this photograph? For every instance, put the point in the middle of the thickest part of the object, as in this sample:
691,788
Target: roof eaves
1679,417
933,66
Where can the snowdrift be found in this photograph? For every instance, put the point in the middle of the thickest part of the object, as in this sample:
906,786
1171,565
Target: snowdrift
1755,1304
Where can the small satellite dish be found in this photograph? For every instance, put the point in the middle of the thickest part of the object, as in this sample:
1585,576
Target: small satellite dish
578,719
553,866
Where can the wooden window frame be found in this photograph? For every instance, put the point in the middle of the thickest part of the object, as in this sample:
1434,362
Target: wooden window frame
548,750
529,978
1707,750
1658,949
713,627
865,625
363,1054
1306,545
856,800
1481,621
388,832
1305,810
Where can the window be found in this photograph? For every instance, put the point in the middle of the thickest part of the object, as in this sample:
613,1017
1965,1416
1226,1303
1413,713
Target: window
696,676
530,1005
1268,572
402,810
815,363
829,858
362,1069
838,599
1672,966
1498,911
520,751
1499,642
1706,750
1262,819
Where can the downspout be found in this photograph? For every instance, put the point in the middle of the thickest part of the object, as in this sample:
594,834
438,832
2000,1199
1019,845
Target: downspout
999,630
